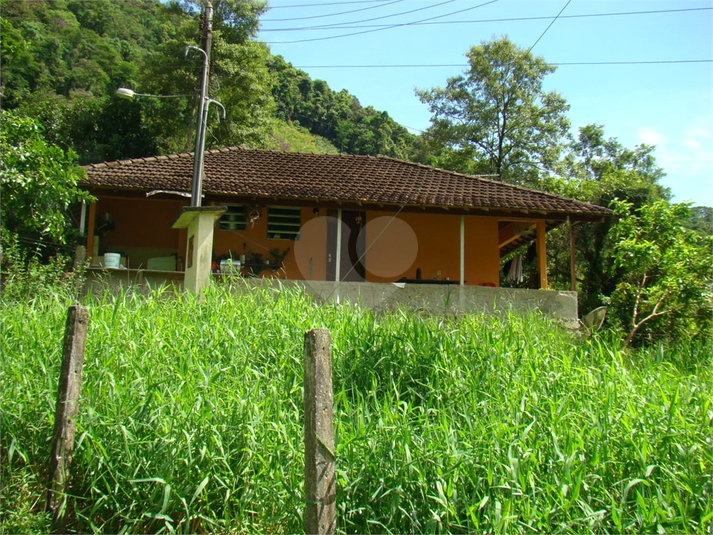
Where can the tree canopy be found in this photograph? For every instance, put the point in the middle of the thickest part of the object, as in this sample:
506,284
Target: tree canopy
336,115
497,118
665,282
62,61
38,182
598,169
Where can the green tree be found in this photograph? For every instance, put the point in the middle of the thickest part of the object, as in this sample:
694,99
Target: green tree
496,118
701,219
336,116
597,169
64,47
38,182
239,79
666,281
291,90
96,128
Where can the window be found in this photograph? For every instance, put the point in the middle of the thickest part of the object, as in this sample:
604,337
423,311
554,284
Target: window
283,222
234,218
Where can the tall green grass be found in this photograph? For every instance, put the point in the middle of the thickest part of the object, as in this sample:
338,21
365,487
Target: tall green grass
190,421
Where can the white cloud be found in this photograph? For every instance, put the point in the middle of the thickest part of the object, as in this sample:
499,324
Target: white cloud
688,162
651,136
692,143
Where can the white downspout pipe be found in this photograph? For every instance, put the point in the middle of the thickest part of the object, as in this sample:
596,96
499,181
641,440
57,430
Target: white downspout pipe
83,219
338,266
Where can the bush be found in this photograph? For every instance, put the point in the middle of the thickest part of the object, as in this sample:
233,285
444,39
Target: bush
27,276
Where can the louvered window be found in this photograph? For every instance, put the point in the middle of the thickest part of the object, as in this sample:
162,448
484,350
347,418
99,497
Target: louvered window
284,222
234,218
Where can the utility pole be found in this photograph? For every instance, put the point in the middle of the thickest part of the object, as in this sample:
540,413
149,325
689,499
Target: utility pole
197,188
200,220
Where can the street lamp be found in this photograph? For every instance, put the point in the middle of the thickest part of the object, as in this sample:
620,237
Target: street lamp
199,221
125,92
203,108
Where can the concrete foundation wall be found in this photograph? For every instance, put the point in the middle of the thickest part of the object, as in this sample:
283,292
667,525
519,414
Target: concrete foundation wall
444,299
431,298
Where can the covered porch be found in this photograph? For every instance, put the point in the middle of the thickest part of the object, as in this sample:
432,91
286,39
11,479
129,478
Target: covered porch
427,245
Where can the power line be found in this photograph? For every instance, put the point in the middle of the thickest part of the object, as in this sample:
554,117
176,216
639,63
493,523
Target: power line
482,21
411,128
337,25
548,27
327,4
335,14
656,62
385,28
463,65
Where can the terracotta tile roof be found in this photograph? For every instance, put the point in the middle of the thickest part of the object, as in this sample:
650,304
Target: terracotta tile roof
347,178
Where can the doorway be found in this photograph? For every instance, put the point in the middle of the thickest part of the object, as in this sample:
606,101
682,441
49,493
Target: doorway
352,241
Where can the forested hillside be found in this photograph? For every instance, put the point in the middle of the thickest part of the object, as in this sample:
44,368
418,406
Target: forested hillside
62,61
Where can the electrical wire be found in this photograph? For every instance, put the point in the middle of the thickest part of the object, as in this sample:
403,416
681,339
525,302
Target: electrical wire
334,14
548,27
463,65
655,62
46,244
338,25
485,21
327,4
380,29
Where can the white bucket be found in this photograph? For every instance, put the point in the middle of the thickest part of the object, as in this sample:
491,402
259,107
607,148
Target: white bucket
111,260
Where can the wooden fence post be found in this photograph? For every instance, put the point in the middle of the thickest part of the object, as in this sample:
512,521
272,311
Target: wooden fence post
68,392
320,482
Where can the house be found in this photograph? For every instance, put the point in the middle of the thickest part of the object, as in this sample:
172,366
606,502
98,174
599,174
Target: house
325,217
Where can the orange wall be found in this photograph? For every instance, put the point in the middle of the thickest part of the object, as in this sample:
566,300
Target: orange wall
431,242
140,222
482,254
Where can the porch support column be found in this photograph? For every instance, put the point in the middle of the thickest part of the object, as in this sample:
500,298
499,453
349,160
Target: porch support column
542,253
338,266
462,250
572,256
90,230
200,221
83,219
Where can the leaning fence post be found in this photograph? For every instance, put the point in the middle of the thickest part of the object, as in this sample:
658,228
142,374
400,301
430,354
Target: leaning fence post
320,484
68,392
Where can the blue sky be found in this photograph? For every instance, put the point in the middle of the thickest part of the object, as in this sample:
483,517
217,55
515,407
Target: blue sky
669,105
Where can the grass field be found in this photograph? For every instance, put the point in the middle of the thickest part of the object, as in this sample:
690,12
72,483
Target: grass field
190,421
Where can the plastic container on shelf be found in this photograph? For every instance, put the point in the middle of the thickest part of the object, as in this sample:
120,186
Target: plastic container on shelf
112,260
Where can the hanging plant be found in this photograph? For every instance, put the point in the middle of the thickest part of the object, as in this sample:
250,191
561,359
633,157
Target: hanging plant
253,216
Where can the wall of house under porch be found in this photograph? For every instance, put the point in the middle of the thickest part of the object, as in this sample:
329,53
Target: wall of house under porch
431,243
141,229
305,260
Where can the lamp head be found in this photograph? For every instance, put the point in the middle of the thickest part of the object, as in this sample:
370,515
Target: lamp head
124,92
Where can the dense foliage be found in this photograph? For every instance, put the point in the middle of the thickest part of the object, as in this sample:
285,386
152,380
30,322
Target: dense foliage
336,116
600,170
62,62
665,287
190,421
38,182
